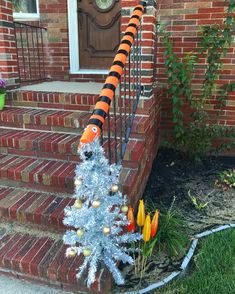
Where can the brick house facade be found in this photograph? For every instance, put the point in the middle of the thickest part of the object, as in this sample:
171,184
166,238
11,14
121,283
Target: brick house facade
182,19
56,16
40,130
59,17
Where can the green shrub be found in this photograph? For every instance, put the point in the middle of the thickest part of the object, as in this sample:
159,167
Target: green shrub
171,237
227,178
196,138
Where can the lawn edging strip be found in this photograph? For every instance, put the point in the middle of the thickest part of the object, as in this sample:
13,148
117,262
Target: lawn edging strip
185,261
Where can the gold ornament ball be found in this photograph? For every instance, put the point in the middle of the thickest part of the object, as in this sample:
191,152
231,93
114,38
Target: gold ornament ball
80,232
78,182
71,252
124,208
96,204
114,188
106,230
78,204
86,252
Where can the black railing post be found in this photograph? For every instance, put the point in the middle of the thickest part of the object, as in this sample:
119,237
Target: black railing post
43,57
30,52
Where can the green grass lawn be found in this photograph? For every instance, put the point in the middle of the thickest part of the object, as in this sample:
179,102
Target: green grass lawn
213,268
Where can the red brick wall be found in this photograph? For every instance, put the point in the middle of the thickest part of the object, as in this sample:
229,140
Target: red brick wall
8,58
53,15
183,19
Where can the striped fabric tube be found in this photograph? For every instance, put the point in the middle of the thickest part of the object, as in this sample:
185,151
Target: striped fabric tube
101,109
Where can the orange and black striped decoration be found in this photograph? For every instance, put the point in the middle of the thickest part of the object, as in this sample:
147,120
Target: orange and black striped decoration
100,112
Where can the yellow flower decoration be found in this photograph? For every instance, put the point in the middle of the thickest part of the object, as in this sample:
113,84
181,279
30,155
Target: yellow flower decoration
154,224
141,214
147,229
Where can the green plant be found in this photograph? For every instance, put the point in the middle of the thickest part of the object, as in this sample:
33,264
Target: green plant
171,236
3,85
198,204
212,269
166,232
197,137
227,178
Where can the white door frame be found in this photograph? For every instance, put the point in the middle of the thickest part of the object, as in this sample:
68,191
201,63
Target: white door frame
74,42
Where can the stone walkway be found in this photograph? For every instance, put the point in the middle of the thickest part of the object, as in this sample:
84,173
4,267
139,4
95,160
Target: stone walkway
12,286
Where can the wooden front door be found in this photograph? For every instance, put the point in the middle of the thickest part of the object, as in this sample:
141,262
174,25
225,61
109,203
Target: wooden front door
99,32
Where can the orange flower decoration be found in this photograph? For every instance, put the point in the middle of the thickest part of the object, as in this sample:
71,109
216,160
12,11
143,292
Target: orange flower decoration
130,217
147,229
141,214
154,224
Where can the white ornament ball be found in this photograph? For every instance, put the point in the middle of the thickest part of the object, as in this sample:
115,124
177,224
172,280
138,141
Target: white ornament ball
71,252
96,204
78,204
114,188
124,209
80,232
106,230
78,182
86,252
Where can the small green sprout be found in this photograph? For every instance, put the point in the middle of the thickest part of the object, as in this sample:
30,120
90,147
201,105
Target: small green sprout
227,178
198,204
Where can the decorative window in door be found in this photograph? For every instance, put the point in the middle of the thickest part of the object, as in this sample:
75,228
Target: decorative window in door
104,4
25,9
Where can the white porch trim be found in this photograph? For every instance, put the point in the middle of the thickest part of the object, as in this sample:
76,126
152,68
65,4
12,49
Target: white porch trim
74,42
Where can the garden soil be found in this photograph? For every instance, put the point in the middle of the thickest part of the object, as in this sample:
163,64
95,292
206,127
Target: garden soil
174,179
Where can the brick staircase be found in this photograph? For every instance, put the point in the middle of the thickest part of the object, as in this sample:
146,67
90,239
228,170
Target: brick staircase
39,133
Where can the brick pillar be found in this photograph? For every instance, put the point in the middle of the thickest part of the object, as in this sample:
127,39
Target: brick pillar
149,104
148,45
8,56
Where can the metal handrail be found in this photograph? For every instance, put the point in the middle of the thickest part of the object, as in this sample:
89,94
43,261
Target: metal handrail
30,52
125,72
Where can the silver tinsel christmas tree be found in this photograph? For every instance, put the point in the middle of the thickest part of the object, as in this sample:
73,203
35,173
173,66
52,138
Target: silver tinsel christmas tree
98,216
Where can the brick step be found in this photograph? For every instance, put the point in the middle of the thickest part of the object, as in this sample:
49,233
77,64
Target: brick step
39,144
63,101
43,119
52,145
66,101
42,174
34,255
33,207
62,121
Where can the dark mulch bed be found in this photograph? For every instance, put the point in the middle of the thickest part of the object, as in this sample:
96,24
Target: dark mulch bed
172,177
